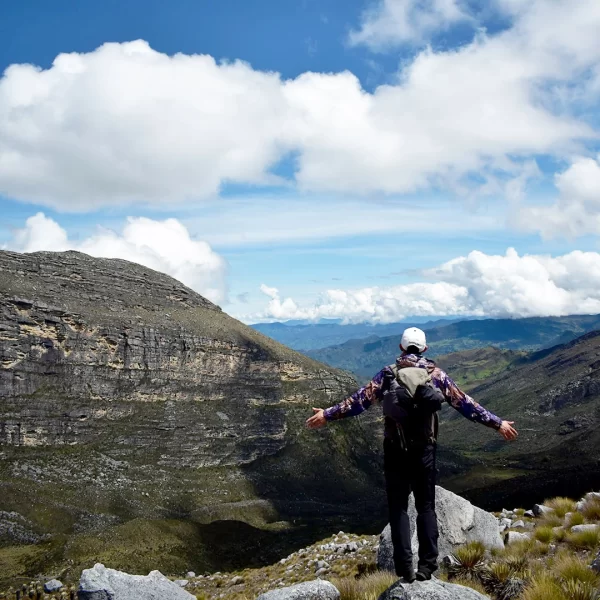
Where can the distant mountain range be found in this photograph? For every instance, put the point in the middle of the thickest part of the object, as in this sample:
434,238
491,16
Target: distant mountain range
304,335
365,356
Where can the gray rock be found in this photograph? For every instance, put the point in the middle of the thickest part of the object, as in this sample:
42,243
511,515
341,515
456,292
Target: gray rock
584,527
237,580
309,590
529,513
459,522
506,522
322,564
190,574
519,523
181,582
515,536
430,590
100,583
321,571
52,586
596,563
580,505
539,510
592,496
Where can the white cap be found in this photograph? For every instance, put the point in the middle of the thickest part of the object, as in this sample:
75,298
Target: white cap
413,337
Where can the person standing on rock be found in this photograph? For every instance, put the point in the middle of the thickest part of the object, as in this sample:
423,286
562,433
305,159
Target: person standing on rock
411,392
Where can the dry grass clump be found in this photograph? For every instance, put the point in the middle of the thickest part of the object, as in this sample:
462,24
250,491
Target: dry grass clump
591,509
578,590
576,518
544,587
550,520
544,534
470,583
369,587
561,506
584,540
572,568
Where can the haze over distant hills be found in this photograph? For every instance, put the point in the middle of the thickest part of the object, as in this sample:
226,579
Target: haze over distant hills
364,357
306,335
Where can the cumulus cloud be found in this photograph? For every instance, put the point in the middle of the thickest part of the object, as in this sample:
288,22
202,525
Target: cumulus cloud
165,246
125,123
392,22
478,284
577,210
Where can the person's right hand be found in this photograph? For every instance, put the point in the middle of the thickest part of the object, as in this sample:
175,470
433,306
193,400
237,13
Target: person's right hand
317,420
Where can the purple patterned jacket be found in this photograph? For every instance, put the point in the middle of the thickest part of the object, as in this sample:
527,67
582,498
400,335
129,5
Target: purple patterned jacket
370,393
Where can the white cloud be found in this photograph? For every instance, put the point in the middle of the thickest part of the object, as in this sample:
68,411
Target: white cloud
125,123
477,284
165,246
577,210
391,22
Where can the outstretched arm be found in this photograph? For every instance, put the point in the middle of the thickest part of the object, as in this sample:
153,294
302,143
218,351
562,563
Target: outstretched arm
360,401
470,409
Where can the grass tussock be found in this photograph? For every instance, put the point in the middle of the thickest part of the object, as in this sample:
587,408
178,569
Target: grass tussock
470,583
584,540
576,518
570,568
578,590
561,506
544,534
544,587
369,587
591,510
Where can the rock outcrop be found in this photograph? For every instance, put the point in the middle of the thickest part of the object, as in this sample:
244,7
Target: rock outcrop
129,399
309,590
459,522
431,590
100,583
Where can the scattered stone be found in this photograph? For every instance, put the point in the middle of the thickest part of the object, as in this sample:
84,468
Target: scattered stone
596,563
529,513
322,565
309,590
519,523
584,527
430,590
539,510
515,536
459,522
181,582
52,586
100,583
321,571
592,496
190,574
237,580
505,522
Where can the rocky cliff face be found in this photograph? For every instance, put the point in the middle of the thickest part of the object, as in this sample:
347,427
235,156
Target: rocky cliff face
125,395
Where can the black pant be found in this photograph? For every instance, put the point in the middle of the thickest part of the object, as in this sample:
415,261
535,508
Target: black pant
405,471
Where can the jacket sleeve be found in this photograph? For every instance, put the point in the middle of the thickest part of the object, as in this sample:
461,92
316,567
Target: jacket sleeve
462,402
360,401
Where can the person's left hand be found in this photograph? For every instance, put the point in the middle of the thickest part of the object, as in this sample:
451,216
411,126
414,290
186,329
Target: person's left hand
507,431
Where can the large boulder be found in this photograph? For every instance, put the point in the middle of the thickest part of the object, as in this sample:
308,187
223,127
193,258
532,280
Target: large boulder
309,590
100,583
430,590
459,522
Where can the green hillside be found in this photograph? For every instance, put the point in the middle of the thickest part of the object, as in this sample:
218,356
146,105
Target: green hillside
364,357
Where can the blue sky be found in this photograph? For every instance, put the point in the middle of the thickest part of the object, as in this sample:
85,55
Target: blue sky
359,148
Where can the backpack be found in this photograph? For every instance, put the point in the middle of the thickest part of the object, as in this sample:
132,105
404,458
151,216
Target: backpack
410,404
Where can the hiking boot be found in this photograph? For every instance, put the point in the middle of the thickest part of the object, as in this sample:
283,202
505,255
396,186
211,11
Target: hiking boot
423,575
408,576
